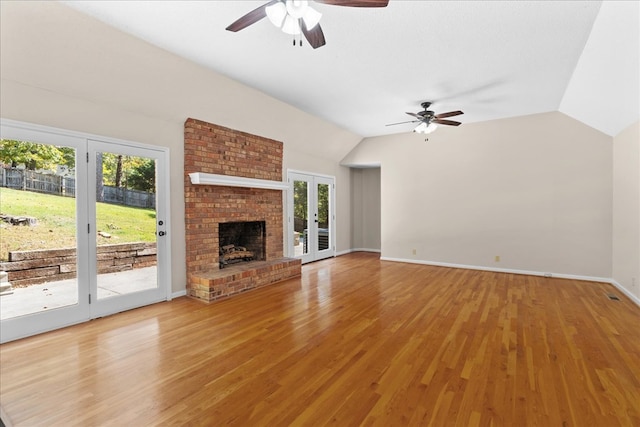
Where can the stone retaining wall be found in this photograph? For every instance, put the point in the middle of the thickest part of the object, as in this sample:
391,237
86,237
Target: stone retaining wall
47,265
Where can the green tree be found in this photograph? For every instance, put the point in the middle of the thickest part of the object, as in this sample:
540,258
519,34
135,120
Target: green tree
118,177
109,165
33,155
323,205
99,178
143,176
300,199
68,156
130,172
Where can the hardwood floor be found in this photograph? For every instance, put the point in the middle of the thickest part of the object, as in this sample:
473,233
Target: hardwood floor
355,341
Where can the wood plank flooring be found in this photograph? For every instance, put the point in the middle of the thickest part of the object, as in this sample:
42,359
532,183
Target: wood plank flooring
354,341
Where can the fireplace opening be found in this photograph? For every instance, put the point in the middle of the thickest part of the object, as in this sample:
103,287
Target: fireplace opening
241,242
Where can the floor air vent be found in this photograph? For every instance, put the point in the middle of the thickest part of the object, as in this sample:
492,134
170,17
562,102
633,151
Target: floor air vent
613,297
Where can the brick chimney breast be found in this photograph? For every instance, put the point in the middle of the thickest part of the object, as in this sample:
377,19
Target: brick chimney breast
214,149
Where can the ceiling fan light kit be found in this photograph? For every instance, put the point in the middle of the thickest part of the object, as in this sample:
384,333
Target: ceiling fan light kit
425,128
276,13
287,15
295,17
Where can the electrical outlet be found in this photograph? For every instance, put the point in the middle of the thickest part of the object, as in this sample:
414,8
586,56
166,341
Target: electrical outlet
413,251
497,258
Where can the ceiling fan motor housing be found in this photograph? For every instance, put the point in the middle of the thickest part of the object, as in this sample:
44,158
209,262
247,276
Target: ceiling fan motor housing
427,114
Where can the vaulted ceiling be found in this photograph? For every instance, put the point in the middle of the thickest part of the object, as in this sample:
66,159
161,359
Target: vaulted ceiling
490,59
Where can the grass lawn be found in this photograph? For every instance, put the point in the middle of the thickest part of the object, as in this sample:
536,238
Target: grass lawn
56,226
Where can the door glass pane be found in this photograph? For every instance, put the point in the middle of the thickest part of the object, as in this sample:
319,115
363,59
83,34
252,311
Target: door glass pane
300,217
126,224
323,216
38,228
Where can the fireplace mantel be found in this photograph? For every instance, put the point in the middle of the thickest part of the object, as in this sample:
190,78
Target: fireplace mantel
200,178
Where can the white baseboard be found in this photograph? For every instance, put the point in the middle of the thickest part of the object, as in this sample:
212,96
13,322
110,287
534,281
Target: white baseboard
179,294
465,266
525,272
625,291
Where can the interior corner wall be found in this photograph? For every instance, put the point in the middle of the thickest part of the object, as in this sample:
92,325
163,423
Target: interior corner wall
626,209
534,190
365,209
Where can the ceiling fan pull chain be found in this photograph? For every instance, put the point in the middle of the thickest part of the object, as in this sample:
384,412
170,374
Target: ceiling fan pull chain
299,41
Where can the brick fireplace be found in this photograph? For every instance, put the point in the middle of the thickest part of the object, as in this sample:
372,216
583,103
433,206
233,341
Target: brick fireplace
212,149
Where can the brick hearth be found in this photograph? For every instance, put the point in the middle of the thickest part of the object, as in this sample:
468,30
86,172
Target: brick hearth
213,149
214,284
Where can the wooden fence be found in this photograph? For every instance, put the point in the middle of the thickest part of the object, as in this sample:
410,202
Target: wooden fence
123,196
27,180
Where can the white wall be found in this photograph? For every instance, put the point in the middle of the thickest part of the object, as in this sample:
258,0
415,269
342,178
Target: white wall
626,209
534,190
63,69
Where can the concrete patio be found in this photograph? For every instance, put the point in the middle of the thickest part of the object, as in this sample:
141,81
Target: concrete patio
51,295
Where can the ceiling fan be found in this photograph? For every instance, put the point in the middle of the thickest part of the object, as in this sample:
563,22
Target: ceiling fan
296,17
429,120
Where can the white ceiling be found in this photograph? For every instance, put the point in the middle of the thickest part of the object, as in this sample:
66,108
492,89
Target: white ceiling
492,59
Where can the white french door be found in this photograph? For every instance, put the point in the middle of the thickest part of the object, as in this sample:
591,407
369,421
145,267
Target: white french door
311,216
30,309
96,246
114,286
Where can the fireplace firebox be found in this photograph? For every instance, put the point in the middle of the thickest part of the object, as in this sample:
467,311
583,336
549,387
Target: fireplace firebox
241,242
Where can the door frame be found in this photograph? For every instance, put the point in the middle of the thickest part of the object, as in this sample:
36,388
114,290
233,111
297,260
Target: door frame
36,323
314,178
115,304
43,321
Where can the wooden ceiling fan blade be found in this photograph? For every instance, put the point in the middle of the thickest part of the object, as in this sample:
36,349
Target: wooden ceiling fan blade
251,17
446,122
449,114
355,3
417,116
401,123
314,36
